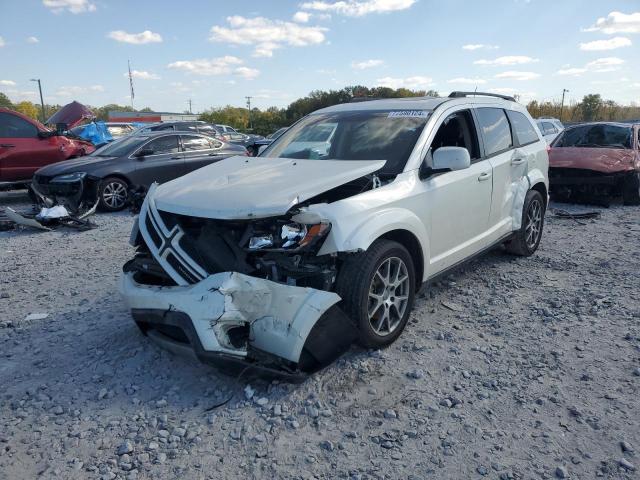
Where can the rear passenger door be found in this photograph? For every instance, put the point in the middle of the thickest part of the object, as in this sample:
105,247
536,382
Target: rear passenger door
164,162
508,158
200,151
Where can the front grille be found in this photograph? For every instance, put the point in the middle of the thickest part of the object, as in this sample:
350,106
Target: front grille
153,233
181,269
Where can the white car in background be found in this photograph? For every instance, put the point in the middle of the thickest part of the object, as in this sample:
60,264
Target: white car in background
550,128
282,260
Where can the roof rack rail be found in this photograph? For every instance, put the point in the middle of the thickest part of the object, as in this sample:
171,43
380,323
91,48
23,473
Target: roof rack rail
457,94
364,99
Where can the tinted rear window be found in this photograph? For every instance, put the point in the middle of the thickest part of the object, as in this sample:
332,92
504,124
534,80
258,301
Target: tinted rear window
596,136
495,130
522,128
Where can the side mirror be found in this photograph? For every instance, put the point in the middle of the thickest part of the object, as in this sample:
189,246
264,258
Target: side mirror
451,158
144,152
446,159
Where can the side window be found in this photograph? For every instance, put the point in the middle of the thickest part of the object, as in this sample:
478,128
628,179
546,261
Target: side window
215,143
522,128
163,127
457,130
495,130
12,126
168,144
548,128
195,143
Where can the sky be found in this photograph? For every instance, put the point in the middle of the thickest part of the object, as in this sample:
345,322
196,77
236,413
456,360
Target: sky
218,52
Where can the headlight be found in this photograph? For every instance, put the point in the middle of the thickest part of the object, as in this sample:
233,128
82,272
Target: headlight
292,236
69,177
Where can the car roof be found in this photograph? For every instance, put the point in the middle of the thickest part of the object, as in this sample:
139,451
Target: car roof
167,132
416,103
613,124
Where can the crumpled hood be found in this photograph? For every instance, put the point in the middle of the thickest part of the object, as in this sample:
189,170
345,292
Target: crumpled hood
240,187
604,160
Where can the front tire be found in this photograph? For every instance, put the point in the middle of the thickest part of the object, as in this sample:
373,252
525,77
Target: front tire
377,289
113,194
631,189
527,239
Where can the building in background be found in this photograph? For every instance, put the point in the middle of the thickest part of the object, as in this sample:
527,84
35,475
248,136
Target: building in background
150,117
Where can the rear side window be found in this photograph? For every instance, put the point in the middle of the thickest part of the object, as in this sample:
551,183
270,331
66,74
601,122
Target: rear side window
195,143
522,128
12,126
168,144
549,128
495,130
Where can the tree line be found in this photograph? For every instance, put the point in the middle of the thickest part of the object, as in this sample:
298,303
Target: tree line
592,107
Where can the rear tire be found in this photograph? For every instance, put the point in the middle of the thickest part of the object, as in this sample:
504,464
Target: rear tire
113,194
527,239
377,289
631,189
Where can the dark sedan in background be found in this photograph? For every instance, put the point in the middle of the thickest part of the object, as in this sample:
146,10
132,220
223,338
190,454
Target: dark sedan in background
134,161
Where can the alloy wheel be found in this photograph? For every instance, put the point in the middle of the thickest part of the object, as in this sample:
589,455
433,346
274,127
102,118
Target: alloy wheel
533,227
388,296
114,195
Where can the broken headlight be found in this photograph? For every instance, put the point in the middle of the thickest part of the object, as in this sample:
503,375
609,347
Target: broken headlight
291,236
69,177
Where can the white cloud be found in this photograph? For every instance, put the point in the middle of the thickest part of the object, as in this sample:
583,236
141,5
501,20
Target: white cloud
607,64
246,72
19,95
520,76
7,83
143,75
2,44
508,60
611,44
600,65
467,81
267,35
33,40
72,91
301,17
358,8
575,72
367,64
479,46
135,38
73,6
416,82
617,22
216,66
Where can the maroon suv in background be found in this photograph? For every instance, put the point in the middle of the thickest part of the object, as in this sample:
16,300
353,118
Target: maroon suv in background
27,145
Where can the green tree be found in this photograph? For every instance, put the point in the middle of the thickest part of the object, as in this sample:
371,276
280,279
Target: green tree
590,106
4,101
28,109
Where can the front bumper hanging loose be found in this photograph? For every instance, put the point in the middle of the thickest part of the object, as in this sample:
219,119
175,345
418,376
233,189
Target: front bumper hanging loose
231,318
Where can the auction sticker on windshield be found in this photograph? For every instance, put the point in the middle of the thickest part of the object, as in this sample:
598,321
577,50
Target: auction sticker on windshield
409,114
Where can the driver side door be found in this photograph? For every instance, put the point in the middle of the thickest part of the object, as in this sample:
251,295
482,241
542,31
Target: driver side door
459,202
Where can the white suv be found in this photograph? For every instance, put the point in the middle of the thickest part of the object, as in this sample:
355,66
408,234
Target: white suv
281,261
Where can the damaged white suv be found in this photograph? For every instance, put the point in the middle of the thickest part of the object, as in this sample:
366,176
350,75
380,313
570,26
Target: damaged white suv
281,261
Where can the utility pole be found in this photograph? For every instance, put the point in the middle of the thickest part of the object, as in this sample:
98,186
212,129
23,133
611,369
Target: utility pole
249,107
564,90
44,119
189,102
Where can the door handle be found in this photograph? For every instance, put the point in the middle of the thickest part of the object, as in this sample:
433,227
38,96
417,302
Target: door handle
484,176
6,145
517,161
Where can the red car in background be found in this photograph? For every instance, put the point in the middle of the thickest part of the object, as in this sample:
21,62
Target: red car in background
596,161
27,145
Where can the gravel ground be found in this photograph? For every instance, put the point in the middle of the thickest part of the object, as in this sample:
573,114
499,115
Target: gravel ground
510,368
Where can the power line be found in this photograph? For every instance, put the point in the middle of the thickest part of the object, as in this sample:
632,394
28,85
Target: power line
249,108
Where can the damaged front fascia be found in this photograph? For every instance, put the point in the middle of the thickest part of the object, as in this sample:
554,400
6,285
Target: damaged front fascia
280,317
76,195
